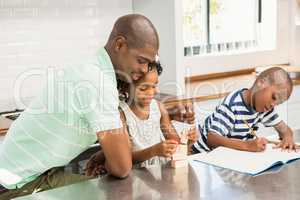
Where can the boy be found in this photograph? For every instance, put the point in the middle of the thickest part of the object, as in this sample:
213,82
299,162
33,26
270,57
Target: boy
239,114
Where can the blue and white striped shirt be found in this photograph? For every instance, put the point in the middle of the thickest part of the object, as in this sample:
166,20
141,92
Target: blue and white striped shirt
228,120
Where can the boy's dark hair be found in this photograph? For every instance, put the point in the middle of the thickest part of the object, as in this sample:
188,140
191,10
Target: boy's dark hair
274,76
124,87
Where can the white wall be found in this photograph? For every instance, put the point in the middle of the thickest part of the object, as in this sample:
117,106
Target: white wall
295,34
166,15
39,34
221,63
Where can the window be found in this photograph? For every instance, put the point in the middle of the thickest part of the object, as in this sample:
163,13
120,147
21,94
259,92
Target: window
218,26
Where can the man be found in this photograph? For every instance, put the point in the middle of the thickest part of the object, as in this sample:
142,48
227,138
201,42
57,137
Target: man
79,108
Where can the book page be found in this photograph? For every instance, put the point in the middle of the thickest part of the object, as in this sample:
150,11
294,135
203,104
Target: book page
281,155
246,162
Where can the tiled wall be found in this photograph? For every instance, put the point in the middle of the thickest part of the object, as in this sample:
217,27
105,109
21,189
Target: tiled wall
36,34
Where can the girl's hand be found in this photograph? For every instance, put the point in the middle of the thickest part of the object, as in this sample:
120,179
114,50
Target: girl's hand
165,148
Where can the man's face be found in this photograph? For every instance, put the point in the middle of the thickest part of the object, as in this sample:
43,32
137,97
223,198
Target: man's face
133,63
268,97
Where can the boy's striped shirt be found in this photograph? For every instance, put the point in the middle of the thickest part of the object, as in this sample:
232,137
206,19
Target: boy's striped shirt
228,120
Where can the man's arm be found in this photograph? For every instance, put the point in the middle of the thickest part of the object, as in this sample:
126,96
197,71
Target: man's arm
117,150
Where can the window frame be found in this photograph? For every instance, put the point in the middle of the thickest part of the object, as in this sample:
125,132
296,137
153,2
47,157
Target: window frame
232,61
208,46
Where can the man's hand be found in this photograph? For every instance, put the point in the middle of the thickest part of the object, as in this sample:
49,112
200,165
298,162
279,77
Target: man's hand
257,145
183,112
95,165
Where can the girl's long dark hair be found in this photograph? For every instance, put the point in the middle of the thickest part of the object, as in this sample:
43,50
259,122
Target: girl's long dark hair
125,88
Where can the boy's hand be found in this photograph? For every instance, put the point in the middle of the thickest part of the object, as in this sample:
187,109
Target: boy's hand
257,145
193,135
287,143
165,148
286,133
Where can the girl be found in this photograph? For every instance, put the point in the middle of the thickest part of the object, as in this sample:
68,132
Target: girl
153,137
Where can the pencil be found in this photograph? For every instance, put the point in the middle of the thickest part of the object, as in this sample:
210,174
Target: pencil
273,142
252,132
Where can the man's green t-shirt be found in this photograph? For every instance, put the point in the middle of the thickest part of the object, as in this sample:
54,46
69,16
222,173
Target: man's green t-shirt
63,120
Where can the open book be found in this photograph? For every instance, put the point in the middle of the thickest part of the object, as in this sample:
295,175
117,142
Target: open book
252,163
